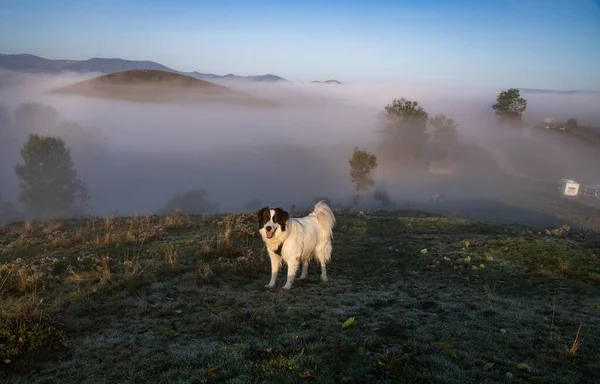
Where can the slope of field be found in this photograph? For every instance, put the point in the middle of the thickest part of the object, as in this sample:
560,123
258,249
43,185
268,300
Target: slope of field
153,85
411,298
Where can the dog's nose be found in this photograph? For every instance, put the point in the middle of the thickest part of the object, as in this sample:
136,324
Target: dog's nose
268,228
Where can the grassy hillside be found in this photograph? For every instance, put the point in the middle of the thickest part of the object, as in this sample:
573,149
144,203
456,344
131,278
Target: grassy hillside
155,85
162,299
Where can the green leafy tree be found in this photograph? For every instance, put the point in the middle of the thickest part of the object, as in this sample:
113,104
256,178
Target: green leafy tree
405,129
49,183
191,201
362,163
572,124
510,104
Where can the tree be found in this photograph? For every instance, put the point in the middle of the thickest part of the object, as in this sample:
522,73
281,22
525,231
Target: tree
191,201
445,136
444,128
572,124
49,183
510,104
362,163
405,126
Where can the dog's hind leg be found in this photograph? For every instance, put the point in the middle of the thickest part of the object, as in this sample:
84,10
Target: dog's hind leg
323,272
275,264
304,273
323,253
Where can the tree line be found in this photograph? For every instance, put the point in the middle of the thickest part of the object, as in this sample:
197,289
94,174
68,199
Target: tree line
411,137
50,186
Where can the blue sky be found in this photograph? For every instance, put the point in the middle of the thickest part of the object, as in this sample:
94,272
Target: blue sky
504,43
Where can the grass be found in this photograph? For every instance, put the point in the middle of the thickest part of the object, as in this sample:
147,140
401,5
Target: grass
181,299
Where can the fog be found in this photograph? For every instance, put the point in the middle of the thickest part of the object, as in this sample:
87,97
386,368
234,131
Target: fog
134,156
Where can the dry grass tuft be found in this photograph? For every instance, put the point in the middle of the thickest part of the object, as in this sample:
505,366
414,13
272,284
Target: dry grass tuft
205,273
576,345
105,268
171,254
108,224
175,221
28,227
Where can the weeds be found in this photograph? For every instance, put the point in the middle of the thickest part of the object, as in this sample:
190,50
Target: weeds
193,300
25,329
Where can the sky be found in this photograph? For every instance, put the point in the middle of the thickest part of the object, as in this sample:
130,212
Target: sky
506,43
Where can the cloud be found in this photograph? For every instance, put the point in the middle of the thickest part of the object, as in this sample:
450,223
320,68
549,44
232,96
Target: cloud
147,152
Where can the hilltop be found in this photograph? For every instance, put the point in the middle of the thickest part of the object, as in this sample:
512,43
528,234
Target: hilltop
411,297
34,64
153,85
559,92
326,82
27,63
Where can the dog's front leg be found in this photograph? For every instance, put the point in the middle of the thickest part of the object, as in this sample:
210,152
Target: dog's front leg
291,273
275,264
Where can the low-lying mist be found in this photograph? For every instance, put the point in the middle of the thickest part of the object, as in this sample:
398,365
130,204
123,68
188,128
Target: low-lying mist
134,156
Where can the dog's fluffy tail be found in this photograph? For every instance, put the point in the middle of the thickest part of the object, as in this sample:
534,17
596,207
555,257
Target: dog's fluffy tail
326,218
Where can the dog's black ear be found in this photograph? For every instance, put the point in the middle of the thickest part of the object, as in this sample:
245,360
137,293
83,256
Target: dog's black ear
261,211
281,217
262,216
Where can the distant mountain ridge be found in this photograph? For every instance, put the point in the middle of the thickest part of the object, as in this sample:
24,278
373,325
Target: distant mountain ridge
326,82
557,92
28,63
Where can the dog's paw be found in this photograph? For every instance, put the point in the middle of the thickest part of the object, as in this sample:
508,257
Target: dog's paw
269,286
302,278
324,279
287,287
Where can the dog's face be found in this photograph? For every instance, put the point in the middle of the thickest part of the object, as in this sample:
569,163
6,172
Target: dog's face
271,220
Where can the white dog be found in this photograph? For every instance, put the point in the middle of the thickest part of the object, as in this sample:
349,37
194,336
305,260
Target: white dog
296,240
